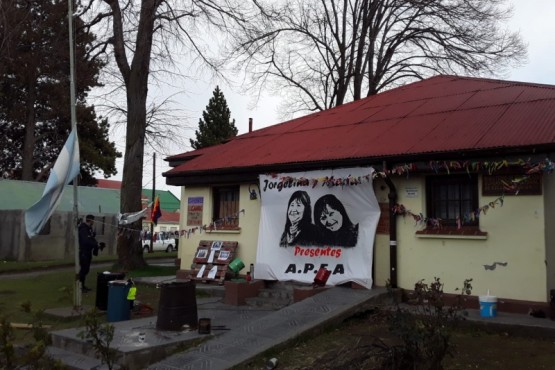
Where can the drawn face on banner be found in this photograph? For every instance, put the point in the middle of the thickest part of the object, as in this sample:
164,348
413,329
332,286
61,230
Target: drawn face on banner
331,218
295,211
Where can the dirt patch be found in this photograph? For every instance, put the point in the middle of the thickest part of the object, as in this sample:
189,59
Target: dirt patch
358,344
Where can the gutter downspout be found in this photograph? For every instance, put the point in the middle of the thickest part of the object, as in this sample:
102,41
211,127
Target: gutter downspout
392,196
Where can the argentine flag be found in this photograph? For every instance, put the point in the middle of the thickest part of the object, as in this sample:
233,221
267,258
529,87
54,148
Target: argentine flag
65,169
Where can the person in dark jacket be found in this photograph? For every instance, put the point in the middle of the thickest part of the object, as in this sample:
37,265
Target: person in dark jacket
87,247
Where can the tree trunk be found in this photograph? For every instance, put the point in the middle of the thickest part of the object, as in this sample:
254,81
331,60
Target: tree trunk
135,76
130,253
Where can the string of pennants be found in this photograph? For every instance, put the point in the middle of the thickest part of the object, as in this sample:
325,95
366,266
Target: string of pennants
213,226
474,166
545,166
421,220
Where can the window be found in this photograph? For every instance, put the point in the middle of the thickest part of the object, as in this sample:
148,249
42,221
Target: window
226,207
452,196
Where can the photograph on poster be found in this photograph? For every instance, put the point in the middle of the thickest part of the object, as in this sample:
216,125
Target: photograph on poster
223,255
202,253
216,246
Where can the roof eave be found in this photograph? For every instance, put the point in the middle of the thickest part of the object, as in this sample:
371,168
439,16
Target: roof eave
250,174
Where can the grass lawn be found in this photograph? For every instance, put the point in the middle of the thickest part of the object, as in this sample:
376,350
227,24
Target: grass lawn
21,298
15,266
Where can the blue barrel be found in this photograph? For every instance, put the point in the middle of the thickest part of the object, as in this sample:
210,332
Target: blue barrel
118,306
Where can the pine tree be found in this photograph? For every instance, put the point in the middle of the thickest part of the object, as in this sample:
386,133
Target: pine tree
34,93
215,126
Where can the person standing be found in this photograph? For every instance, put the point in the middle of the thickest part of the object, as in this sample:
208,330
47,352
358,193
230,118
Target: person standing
87,247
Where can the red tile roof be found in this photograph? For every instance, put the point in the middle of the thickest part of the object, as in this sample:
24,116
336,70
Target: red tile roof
166,218
108,184
443,114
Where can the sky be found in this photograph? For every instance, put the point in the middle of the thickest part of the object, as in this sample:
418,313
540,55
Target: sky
533,19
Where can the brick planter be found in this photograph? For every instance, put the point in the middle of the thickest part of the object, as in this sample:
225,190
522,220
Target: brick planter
237,292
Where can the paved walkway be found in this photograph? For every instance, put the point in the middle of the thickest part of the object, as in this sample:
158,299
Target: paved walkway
276,327
240,333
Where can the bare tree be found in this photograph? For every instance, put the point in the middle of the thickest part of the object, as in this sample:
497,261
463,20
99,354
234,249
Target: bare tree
327,52
142,36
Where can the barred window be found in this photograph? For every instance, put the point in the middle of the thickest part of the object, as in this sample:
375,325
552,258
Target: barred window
452,196
226,206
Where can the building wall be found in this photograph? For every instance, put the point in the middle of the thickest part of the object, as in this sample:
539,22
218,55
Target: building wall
247,237
515,236
549,204
58,244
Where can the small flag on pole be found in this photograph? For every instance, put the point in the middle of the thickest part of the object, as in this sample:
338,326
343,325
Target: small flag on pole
65,169
156,212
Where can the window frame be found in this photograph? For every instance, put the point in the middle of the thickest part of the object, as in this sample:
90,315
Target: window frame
445,184
225,213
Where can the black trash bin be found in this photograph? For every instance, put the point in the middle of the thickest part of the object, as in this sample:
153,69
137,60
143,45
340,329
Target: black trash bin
177,306
102,281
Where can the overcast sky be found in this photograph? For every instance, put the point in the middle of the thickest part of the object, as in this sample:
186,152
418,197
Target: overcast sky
534,19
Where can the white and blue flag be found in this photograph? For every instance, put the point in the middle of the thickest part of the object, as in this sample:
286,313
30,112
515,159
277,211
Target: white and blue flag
66,168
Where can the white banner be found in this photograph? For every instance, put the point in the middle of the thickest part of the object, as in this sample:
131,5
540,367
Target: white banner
317,219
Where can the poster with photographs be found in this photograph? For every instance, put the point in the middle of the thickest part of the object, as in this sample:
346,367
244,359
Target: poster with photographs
318,219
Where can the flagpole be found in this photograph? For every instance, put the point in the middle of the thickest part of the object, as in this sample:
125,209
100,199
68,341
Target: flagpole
77,298
153,195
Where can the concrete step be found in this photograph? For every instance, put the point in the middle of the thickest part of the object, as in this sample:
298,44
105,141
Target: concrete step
268,303
276,293
131,352
75,361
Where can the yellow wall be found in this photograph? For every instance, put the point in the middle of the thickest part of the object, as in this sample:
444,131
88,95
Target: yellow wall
247,237
515,235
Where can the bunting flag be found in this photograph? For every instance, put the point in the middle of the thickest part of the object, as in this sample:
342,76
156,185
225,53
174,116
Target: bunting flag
436,223
156,212
65,169
129,218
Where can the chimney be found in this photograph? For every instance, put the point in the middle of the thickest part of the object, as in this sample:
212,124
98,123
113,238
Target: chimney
250,124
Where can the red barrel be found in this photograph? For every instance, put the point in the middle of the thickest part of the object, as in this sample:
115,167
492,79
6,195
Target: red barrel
322,276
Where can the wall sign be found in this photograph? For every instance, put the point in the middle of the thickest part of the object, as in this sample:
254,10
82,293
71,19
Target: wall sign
195,207
411,192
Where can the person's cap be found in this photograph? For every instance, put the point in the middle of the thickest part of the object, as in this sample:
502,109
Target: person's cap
89,217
